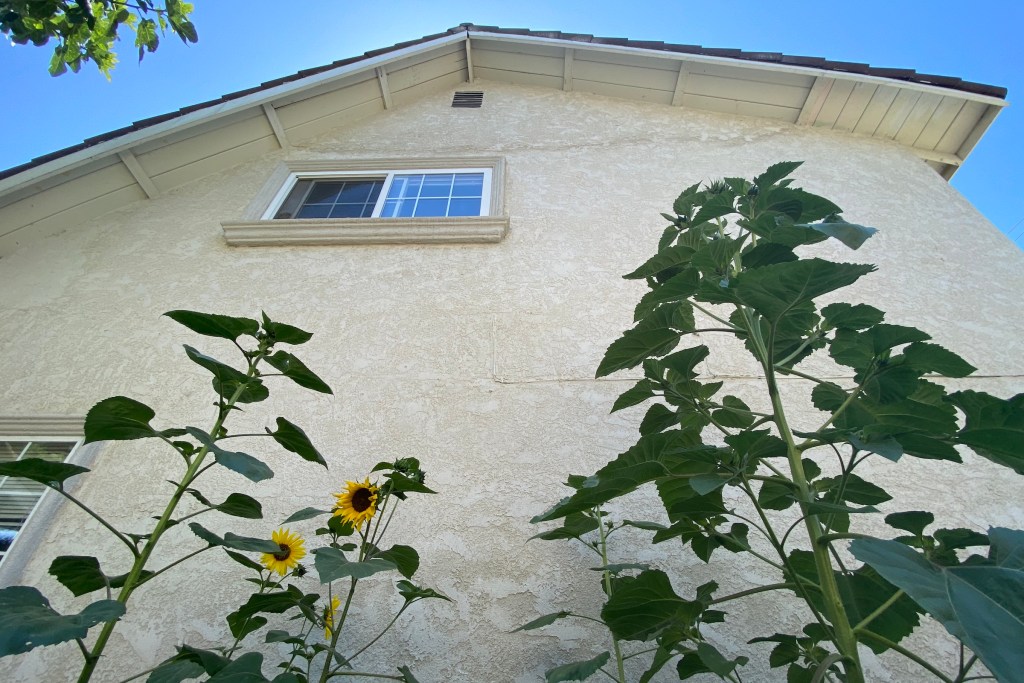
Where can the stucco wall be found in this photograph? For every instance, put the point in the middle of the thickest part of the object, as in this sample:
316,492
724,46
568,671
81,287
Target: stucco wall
479,360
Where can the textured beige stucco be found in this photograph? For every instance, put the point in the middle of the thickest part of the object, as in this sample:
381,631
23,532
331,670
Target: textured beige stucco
477,359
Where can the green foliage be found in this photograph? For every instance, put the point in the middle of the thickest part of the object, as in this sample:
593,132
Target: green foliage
27,621
731,262
86,31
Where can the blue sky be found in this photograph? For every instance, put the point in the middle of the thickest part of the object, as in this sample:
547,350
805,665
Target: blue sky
245,42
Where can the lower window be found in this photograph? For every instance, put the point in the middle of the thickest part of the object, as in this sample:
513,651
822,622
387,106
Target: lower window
19,497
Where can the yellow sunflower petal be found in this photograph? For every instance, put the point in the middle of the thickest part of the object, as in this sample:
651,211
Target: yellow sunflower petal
357,504
292,550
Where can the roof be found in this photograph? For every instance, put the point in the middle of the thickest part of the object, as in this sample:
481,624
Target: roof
938,118
908,75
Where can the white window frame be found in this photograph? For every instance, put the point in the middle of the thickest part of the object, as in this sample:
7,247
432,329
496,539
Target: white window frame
388,177
258,226
45,501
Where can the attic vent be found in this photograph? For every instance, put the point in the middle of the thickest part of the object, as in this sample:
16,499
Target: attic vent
470,99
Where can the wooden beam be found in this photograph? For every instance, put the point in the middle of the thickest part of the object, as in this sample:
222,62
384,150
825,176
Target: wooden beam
677,94
815,100
469,61
385,91
275,125
135,168
942,157
567,70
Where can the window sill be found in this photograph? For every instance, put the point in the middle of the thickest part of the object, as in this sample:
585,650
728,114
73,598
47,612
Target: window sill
297,232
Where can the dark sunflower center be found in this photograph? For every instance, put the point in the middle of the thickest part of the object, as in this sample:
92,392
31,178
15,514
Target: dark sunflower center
284,554
362,499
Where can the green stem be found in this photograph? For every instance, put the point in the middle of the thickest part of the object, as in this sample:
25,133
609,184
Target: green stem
845,639
606,576
336,629
754,591
133,580
895,647
379,635
121,537
715,317
881,610
178,561
964,668
367,675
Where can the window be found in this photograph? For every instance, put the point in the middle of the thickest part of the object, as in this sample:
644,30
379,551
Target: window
376,201
19,497
396,195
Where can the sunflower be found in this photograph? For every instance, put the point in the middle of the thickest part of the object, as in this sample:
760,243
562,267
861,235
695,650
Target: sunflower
357,504
292,551
329,616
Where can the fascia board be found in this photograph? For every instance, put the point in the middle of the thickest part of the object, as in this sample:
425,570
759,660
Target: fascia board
739,63
207,114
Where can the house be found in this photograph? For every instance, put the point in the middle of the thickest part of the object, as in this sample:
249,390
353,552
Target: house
467,340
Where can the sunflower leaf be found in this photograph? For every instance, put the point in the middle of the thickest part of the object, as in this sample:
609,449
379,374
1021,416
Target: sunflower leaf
175,671
120,418
236,461
576,671
541,622
241,505
213,325
404,557
295,440
27,621
295,370
304,514
286,334
52,474
411,592
81,574
246,669
407,676
331,564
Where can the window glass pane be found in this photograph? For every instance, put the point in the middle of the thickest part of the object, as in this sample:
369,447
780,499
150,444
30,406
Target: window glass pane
358,191
468,185
405,186
314,211
464,207
324,193
432,207
291,203
350,211
439,185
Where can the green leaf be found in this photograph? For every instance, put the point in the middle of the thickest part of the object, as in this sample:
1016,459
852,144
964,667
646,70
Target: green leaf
619,567
634,346
677,288
933,358
236,461
295,440
230,540
914,521
27,621
979,604
286,334
576,671
404,557
277,602
766,254
686,361
241,626
403,484
853,489
671,257
244,561
717,663
717,206
994,427
46,472
241,505
304,514
294,369
704,484
223,372
775,173
407,676
175,671
658,419
245,669
734,413
81,574
253,391
850,234
543,621
411,592
574,526
643,606
640,392
121,419
209,324
852,317
331,564
775,290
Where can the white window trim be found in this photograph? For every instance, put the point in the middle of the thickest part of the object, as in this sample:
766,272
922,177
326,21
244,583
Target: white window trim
44,428
259,228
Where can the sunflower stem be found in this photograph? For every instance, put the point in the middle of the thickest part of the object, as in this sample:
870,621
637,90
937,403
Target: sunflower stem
336,629
135,575
379,635
606,576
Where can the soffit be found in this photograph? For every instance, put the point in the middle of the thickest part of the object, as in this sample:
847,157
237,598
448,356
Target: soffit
938,118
